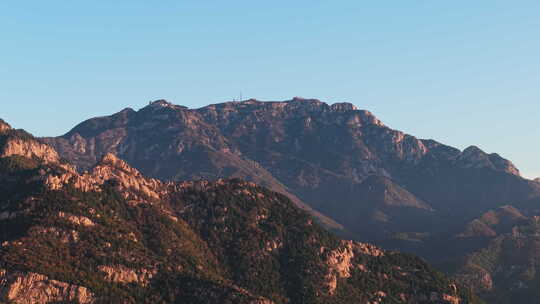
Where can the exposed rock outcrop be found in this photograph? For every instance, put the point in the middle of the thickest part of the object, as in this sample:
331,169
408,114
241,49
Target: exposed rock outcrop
110,169
77,219
30,149
340,261
474,157
123,274
33,288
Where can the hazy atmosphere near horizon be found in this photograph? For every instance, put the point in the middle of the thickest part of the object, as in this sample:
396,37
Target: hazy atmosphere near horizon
460,72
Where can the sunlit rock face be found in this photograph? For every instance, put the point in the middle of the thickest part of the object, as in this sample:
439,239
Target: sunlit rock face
33,288
18,142
30,149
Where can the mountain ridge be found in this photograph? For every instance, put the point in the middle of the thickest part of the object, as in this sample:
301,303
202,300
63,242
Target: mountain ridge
293,147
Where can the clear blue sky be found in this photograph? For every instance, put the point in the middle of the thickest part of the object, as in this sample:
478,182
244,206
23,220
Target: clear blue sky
461,72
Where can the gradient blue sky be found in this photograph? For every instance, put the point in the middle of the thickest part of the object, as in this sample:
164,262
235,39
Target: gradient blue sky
460,72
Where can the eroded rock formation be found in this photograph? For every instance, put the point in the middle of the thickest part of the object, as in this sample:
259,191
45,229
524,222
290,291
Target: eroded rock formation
33,288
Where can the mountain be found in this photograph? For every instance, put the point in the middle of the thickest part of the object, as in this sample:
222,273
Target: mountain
187,147
357,176
504,266
339,161
112,235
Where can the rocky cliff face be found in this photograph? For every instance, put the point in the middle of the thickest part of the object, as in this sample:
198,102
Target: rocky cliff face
129,181
112,235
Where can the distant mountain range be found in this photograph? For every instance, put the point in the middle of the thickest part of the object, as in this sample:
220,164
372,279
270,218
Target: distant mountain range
359,177
112,235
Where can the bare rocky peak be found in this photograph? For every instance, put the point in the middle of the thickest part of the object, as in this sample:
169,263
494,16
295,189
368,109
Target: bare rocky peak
129,181
537,180
111,167
474,157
